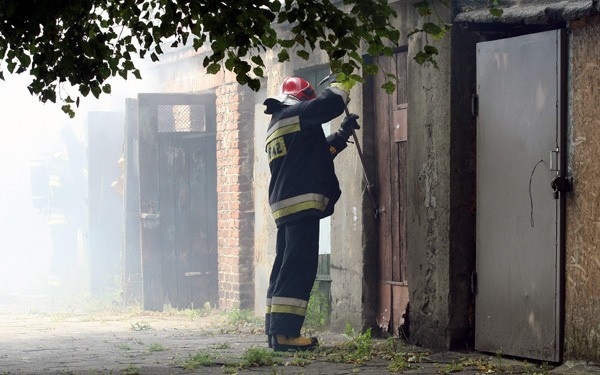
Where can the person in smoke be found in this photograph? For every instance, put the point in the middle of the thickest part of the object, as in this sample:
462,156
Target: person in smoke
303,189
58,185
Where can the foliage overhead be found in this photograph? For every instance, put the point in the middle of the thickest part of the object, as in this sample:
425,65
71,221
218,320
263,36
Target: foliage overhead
84,43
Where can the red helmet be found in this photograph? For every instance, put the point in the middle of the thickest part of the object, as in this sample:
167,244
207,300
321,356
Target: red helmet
298,88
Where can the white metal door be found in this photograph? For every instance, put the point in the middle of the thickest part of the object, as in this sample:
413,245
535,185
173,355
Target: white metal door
518,221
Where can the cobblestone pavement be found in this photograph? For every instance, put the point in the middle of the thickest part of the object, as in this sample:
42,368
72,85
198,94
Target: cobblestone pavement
53,341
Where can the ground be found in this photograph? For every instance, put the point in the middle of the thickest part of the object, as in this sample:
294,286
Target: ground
59,339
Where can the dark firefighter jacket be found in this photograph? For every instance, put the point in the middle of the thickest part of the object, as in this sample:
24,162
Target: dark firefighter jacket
303,181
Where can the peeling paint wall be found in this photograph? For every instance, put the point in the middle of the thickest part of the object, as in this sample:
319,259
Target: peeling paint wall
582,305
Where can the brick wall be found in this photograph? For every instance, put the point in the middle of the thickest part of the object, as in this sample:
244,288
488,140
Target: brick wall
235,132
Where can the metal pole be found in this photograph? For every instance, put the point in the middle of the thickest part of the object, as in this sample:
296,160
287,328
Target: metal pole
362,162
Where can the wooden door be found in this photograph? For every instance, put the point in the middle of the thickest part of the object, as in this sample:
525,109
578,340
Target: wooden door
390,118
178,200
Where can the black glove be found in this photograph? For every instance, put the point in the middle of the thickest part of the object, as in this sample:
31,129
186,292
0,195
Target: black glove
348,124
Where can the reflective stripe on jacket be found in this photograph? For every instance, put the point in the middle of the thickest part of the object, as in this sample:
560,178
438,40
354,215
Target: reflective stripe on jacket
303,181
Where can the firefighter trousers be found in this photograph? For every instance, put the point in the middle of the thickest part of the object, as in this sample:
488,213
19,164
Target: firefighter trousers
292,277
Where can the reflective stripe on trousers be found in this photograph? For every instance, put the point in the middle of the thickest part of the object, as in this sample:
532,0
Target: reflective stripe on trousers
292,277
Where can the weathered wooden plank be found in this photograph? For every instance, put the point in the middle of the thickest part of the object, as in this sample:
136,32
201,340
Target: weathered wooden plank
167,153
153,294
183,228
382,119
132,262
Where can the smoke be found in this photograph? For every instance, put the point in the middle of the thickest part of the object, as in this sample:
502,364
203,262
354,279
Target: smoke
30,133
28,130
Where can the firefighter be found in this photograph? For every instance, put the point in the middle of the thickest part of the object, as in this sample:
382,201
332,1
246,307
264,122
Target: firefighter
302,190
58,185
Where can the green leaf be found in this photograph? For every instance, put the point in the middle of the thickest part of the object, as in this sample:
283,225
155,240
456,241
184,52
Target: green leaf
496,12
432,29
84,89
25,60
254,84
286,43
258,71
421,57
389,87
106,89
67,109
213,68
423,7
96,90
338,54
258,60
283,56
370,69
303,54
430,50
229,63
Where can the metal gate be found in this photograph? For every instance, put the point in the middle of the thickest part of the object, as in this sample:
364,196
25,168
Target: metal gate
178,200
518,265
390,119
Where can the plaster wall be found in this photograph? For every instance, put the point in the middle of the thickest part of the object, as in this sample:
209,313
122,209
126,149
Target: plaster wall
347,234
264,227
429,194
582,305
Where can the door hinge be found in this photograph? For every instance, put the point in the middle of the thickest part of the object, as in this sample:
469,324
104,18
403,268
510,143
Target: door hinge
475,105
474,282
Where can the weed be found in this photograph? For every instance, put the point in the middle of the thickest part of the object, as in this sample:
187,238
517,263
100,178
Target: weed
298,361
317,311
241,318
132,370
230,369
224,345
191,313
156,348
358,350
400,362
256,357
499,357
452,367
124,346
199,360
140,326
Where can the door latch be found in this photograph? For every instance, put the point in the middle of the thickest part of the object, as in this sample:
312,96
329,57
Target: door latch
561,184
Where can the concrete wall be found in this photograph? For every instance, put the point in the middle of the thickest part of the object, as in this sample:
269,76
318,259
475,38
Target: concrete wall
582,305
264,226
429,194
348,243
